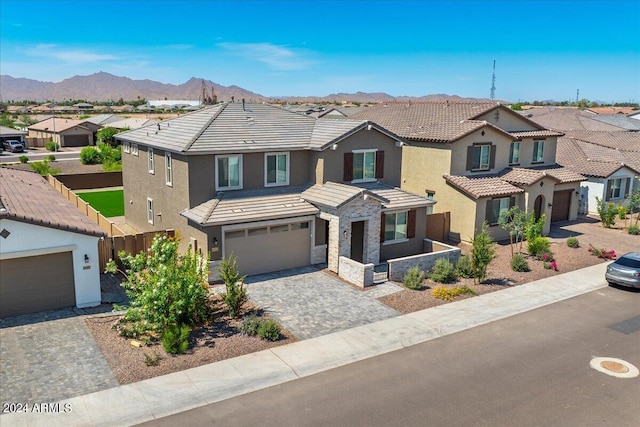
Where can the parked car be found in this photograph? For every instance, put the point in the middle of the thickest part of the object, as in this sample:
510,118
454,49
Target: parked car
13,145
625,271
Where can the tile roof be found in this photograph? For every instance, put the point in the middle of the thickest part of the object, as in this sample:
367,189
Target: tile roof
396,197
595,160
336,195
430,121
11,131
482,186
58,124
566,118
620,140
623,122
27,197
232,127
536,133
251,206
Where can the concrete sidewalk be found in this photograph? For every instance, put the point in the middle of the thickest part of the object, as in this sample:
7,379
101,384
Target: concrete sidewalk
181,391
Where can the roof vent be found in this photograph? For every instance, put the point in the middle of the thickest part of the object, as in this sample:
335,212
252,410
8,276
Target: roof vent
158,126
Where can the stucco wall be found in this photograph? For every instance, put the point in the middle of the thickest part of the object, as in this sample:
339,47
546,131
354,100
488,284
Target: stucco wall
398,267
507,120
30,240
412,246
491,136
329,164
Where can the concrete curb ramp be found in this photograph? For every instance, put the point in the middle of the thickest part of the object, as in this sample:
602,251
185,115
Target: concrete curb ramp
169,394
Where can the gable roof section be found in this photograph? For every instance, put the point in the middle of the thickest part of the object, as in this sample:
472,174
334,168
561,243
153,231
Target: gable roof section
566,118
251,206
6,131
482,186
430,121
335,195
596,159
27,197
59,124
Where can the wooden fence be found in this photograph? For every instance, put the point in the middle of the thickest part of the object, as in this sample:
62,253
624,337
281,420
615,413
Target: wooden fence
103,222
438,226
110,247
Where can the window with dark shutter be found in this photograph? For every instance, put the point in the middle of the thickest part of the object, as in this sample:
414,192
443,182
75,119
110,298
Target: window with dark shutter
379,164
492,157
382,219
469,158
348,167
411,224
627,187
607,195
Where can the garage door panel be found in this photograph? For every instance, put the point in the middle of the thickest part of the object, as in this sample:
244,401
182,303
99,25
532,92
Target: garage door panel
39,283
76,140
259,251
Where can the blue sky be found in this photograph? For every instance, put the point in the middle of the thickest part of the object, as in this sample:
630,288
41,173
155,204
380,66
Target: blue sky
543,49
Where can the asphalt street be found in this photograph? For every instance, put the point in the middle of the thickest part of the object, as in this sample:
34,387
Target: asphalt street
532,369
7,157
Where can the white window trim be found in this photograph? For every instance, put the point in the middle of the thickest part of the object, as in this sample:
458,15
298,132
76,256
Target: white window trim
126,147
500,210
151,162
403,240
150,210
168,169
134,149
613,187
361,151
535,152
276,184
511,151
482,147
240,172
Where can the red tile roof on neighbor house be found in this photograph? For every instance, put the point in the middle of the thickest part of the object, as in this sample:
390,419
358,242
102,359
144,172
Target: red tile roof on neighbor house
430,121
27,197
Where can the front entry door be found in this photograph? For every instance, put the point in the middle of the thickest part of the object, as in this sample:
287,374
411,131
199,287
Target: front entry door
537,207
357,241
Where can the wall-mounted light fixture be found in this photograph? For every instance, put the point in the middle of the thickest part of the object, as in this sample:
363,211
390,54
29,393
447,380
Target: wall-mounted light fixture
344,233
86,259
334,147
541,183
215,241
549,204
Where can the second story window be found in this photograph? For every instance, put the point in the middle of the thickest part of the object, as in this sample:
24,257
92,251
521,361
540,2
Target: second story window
480,157
363,165
168,169
538,152
134,149
150,161
150,210
276,169
229,172
514,153
126,147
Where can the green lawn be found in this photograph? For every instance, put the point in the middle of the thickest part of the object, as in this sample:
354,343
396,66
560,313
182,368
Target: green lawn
108,203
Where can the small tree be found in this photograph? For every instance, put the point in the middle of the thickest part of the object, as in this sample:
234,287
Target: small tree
633,205
534,227
515,220
236,294
105,135
482,253
164,287
607,213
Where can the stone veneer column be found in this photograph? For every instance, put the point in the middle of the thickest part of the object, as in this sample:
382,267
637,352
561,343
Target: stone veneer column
333,243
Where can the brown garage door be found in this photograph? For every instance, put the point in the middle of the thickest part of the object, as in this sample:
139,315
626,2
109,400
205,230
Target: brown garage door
38,283
76,140
561,204
266,249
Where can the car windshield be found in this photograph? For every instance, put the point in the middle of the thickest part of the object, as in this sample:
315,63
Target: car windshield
628,262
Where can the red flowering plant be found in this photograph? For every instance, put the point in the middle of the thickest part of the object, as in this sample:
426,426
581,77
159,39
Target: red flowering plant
602,253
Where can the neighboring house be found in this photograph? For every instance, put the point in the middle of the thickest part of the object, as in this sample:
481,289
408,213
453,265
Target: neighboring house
568,118
620,121
83,106
477,160
278,189
635,115
7,133
66,132
103,120
610,161
132,123
341,112
48,248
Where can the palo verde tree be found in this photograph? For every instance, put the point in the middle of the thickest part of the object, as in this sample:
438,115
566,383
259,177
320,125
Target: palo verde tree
483,251
164,287
515,220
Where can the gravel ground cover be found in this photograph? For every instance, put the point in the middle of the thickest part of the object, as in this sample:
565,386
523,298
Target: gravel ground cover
216,341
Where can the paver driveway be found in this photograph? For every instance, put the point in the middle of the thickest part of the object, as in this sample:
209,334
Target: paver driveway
50,356
311,303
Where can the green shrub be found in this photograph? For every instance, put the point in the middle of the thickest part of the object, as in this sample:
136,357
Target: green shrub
151,359
443,271
269,330
44,168
534,227
622,212
464,267
633,229
447,294
573,242
414,278
90,156
519,263
23,159
51,158
607,213
538,245
236,294
51,146
483,252
250,326
175,339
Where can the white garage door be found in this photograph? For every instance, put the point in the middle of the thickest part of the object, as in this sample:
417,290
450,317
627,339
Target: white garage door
263,249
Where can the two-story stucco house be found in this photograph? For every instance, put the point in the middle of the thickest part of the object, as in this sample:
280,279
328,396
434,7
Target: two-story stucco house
477,159
275,188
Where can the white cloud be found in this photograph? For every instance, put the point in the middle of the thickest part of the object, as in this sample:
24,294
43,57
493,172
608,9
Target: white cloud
276,57
69,56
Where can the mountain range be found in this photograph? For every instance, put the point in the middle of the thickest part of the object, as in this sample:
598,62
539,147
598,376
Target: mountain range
102,87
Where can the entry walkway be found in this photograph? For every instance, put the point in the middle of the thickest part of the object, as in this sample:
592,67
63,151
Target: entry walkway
311,303
180,391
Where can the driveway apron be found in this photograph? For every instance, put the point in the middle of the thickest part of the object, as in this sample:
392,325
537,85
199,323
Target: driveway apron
50,356
310,303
